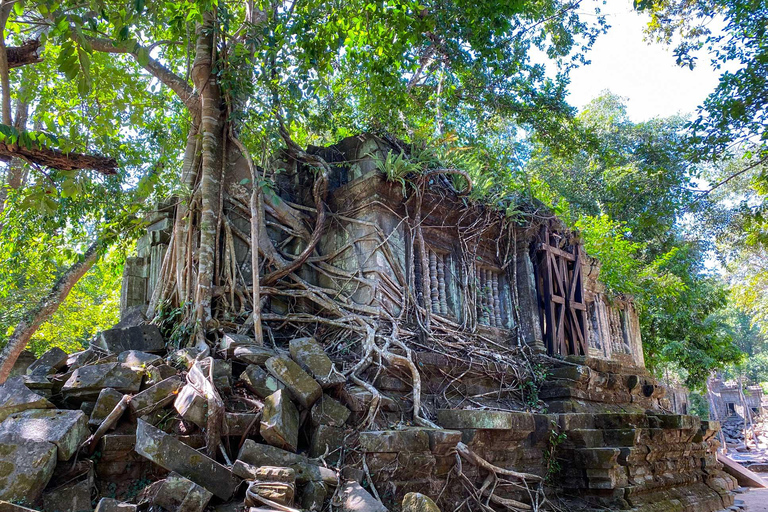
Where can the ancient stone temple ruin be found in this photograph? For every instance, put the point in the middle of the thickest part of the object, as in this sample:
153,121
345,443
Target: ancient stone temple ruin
428,345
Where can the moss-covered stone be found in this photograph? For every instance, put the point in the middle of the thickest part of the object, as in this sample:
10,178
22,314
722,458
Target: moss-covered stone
26,466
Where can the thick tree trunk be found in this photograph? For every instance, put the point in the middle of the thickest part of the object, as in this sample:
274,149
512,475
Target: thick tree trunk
45,308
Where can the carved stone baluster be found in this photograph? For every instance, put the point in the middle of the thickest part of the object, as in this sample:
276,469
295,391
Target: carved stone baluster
441,261
496,299
433,286
489,297
484,297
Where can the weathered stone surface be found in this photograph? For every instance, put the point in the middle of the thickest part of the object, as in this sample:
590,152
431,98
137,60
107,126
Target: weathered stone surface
183,357
108,399
178,494
78,359
312,358
482,419
358,399
328,411
156,374
159,395
258,381
87,382
112,505
138,358
53,360
274,483
303,388
356,499
417,502
229,342
192,406
26,466
173,455
65,429
280,421
16,397
327,440
38,384
255,454
313,496
74,497
411,440
240,423
146,338
25,359
12,507
252,354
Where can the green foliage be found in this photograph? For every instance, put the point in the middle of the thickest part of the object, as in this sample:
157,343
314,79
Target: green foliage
699,405
556,438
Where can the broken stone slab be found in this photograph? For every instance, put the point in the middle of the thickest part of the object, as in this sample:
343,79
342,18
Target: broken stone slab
173,455
87,382
327,440
78,359
313,496
229,342
417,502
394,441
38,383
157,396
303,388
179,494
252,354
146,338
155,374
16,397
65,429
137,358
108,399
356,499
113,505
26,466
52,360
192,406
313,359
280,421
253,454
328,411
259,381
74,497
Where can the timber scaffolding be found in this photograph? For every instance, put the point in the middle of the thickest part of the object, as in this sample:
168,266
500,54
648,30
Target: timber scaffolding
459,335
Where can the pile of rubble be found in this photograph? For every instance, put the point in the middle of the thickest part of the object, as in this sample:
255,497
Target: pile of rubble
126,424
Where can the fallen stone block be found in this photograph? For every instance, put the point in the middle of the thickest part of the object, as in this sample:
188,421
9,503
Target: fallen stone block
358,399
178,494
87,382
136,358
78,359
313,496
303,388
481,419
254,454
157,396
145,338
192,406
259,381
280,421
327,440
356,499
65,429
173,455
394,441
105,404
241,423
312,358
26,466
39,384
74,497
16,397
48,363
113,505
25,359
183,357
274,483
417,502
252,354
158,373
328,411
12,507
229,342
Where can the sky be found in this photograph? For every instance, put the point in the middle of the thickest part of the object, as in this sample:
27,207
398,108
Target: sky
645,74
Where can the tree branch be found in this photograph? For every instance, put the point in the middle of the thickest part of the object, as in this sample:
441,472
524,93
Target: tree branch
25,54
58,159
183,90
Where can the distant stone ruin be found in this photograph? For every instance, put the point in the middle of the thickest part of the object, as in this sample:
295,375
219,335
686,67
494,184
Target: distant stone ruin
430,354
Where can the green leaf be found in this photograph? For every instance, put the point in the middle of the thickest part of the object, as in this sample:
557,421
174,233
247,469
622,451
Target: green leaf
142,56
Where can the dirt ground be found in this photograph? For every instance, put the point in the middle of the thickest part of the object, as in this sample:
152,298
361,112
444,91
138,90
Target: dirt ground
756,500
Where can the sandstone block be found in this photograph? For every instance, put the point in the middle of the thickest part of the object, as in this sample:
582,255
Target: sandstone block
274,483
112,505
280,421
313,496
159,395
411,440
356,499
252,354
192,406
229,342
481,419
12,507
26,466
441,442
259,381
16,397
328,411
65,429
327,440
136,358
253,454
173,455
178,494
146,338
157,373
313,359
87,382
303,388
108,399
417,502
240,423
74,497
52,360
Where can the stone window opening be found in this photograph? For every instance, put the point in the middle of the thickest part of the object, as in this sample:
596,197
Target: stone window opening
731,408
